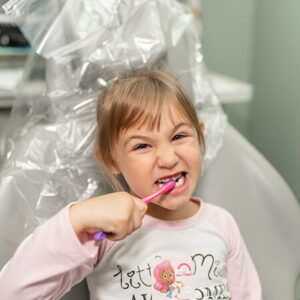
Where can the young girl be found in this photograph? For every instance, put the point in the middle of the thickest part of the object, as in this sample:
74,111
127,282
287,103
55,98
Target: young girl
148,133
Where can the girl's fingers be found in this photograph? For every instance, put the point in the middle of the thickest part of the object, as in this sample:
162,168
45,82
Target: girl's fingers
134,222
137,220
118,214
141,206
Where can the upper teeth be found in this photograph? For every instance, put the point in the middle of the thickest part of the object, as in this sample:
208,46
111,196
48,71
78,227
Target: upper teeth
180,178
165,180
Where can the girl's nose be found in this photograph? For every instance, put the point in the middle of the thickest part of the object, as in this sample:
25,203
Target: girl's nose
166,157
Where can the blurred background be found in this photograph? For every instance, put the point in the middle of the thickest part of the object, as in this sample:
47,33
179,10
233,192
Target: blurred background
258,42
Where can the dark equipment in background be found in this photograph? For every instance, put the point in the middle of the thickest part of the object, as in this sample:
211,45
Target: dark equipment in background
11,36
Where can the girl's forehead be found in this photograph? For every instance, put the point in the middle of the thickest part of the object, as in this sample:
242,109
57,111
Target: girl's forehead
170,114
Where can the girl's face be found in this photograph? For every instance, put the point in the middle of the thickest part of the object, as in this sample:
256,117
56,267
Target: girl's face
147,158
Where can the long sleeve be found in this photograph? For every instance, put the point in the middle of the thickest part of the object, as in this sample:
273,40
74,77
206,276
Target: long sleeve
48,262
243,280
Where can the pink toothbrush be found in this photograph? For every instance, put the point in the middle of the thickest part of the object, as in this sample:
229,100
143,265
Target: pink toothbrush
164,189
169,185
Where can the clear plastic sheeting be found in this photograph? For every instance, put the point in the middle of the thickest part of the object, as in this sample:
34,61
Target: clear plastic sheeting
81,46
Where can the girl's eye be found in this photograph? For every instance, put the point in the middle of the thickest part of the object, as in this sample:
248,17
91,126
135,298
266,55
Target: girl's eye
141,146
177,137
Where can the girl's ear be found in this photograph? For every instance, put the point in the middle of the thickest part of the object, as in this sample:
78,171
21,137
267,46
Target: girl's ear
201,126
202,143
115,170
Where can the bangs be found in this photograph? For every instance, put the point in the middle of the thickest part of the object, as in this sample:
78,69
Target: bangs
148,113
141,102
142,112
142,105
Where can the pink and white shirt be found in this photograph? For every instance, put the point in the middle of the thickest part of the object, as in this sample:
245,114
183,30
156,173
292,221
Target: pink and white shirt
202,257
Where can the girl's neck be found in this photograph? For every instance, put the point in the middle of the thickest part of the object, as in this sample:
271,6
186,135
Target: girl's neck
184,212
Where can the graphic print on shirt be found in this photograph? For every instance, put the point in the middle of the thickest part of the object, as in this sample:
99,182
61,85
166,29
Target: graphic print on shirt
172,279
208,279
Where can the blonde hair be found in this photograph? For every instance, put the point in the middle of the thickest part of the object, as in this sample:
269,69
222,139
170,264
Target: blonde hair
136,99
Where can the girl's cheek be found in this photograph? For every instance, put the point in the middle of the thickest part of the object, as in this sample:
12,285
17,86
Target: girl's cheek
192,149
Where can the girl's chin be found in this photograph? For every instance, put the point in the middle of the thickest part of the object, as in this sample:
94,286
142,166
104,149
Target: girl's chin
170,211
172,203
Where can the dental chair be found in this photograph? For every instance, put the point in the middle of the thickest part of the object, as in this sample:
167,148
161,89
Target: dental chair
241,180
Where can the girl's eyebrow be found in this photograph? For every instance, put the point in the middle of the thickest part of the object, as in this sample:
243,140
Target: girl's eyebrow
141,137
182,124
144,137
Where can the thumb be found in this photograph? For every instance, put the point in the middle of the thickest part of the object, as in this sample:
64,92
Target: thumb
142,207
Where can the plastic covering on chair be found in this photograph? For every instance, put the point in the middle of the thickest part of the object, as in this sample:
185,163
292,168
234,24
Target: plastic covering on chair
81,46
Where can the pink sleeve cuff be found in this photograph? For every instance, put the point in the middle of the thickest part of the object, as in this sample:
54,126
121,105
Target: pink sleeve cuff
85,246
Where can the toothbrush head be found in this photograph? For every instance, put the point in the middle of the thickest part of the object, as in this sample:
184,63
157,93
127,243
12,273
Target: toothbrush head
168,186
164,189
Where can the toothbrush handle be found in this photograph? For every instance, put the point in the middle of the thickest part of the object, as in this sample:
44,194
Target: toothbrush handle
99,236
151,197
167,187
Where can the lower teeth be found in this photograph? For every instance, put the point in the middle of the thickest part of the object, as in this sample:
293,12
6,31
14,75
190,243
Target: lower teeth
179,182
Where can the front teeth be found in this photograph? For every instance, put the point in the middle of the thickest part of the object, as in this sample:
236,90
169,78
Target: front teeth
179,181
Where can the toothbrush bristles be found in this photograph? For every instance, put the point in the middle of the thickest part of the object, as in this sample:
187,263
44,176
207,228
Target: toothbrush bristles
170,184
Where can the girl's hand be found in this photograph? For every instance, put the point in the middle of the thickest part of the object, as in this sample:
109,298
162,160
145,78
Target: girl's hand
119,214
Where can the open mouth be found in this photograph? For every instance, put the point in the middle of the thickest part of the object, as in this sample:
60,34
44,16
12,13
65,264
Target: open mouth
179,178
